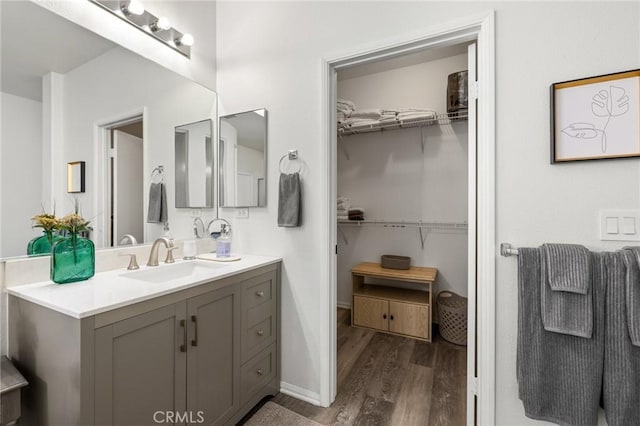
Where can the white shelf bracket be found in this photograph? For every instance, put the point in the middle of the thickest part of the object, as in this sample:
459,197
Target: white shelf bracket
423,235
343,235
423,138
344,148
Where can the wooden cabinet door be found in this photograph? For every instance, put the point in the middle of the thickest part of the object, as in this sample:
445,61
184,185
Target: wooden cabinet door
213,356
370,312
139,368
409,319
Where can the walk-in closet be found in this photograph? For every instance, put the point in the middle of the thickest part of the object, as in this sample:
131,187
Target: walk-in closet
402,183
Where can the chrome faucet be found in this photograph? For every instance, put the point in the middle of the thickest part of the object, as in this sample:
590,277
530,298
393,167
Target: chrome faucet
128,237
153,255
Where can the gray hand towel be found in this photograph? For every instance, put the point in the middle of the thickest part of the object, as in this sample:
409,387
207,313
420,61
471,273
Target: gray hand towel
632,287
621,382
289,200
565,309
568,267
559,375
157,212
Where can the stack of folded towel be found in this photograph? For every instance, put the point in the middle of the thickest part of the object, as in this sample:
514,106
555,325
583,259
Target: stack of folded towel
371,119
356,213
343,208
344,109
415,114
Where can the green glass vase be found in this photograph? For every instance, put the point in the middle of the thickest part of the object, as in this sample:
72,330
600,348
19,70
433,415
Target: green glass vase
41,246
72,259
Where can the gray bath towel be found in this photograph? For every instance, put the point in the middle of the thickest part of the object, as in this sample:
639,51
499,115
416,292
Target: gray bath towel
632,286
157,212
568,267
567,300
289,200
559,375
621,383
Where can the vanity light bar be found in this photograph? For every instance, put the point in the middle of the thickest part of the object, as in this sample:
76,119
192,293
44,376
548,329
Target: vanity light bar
158,27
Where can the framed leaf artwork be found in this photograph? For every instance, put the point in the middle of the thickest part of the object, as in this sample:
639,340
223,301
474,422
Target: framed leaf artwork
596,118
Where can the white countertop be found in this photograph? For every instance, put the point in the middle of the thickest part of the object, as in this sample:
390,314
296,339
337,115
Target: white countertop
114,289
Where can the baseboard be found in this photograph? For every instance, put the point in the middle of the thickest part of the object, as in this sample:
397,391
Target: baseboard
300,393
344,305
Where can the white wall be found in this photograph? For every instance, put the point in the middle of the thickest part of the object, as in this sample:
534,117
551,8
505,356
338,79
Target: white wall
389,176
21,155
195,17
169,100
536,44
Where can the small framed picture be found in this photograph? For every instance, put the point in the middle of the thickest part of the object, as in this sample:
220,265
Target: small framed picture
75,176
596,118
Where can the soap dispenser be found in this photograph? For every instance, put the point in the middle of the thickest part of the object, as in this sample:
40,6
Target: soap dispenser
223,243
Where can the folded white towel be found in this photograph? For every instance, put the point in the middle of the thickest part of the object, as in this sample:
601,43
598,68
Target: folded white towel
340,116
406,110
347,103
416,116
342,217
371,113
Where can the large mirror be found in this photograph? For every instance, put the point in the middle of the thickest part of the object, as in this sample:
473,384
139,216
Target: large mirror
242,152
194,165
69,95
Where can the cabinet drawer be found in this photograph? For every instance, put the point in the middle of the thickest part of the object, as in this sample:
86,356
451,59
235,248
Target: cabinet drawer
258,337
259,290
257,372
370,312
410,319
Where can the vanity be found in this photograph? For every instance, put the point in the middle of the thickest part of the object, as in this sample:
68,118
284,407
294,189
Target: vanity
190,342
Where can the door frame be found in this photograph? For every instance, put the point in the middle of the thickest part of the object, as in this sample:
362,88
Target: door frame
481,359
102,138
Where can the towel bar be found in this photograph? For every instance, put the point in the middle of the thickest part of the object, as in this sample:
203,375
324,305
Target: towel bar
506,250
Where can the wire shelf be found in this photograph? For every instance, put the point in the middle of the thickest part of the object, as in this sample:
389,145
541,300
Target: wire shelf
438,119
423,227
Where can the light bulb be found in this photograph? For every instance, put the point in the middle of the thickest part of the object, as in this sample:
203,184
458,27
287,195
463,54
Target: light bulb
133,8
162,23
185,40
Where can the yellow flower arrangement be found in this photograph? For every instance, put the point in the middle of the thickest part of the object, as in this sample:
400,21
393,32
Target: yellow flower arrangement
47,221
73,223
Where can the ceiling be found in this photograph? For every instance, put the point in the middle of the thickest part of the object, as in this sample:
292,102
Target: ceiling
402,61
251,128
35,42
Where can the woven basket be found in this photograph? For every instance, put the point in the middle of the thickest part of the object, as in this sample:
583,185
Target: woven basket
452,309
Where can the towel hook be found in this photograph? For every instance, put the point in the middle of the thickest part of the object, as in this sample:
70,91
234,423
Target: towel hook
158,172
292,155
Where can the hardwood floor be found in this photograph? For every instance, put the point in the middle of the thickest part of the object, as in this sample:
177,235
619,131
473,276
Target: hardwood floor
391,380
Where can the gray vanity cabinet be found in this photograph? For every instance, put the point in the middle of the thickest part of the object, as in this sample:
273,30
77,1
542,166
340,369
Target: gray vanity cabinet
204,355
146,365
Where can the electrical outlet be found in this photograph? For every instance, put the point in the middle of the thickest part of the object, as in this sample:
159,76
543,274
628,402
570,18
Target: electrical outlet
243,213
196,213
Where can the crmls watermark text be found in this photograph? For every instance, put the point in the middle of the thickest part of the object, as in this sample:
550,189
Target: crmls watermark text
178,417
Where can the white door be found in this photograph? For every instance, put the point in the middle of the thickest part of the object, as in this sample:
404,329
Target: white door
128,194
471,241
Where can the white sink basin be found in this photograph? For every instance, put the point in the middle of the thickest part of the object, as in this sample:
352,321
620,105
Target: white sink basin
164,273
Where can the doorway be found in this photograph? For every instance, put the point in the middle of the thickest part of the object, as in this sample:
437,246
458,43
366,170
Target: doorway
121,166
481,202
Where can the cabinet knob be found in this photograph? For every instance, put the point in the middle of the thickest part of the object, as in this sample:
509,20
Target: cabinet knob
260,332
260,372
260,293
391,317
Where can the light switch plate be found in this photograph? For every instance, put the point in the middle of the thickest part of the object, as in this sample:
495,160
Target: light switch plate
243,213
620,225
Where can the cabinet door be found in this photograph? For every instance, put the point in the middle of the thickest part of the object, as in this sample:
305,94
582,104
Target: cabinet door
139,368
370,312
213,357
409,319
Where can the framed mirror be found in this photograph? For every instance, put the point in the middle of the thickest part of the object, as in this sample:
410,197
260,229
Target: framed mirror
242,154
194,165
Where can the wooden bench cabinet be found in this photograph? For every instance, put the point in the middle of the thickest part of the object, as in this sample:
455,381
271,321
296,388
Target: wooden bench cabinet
392,309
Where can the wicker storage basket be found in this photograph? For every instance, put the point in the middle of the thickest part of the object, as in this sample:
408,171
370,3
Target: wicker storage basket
452,309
